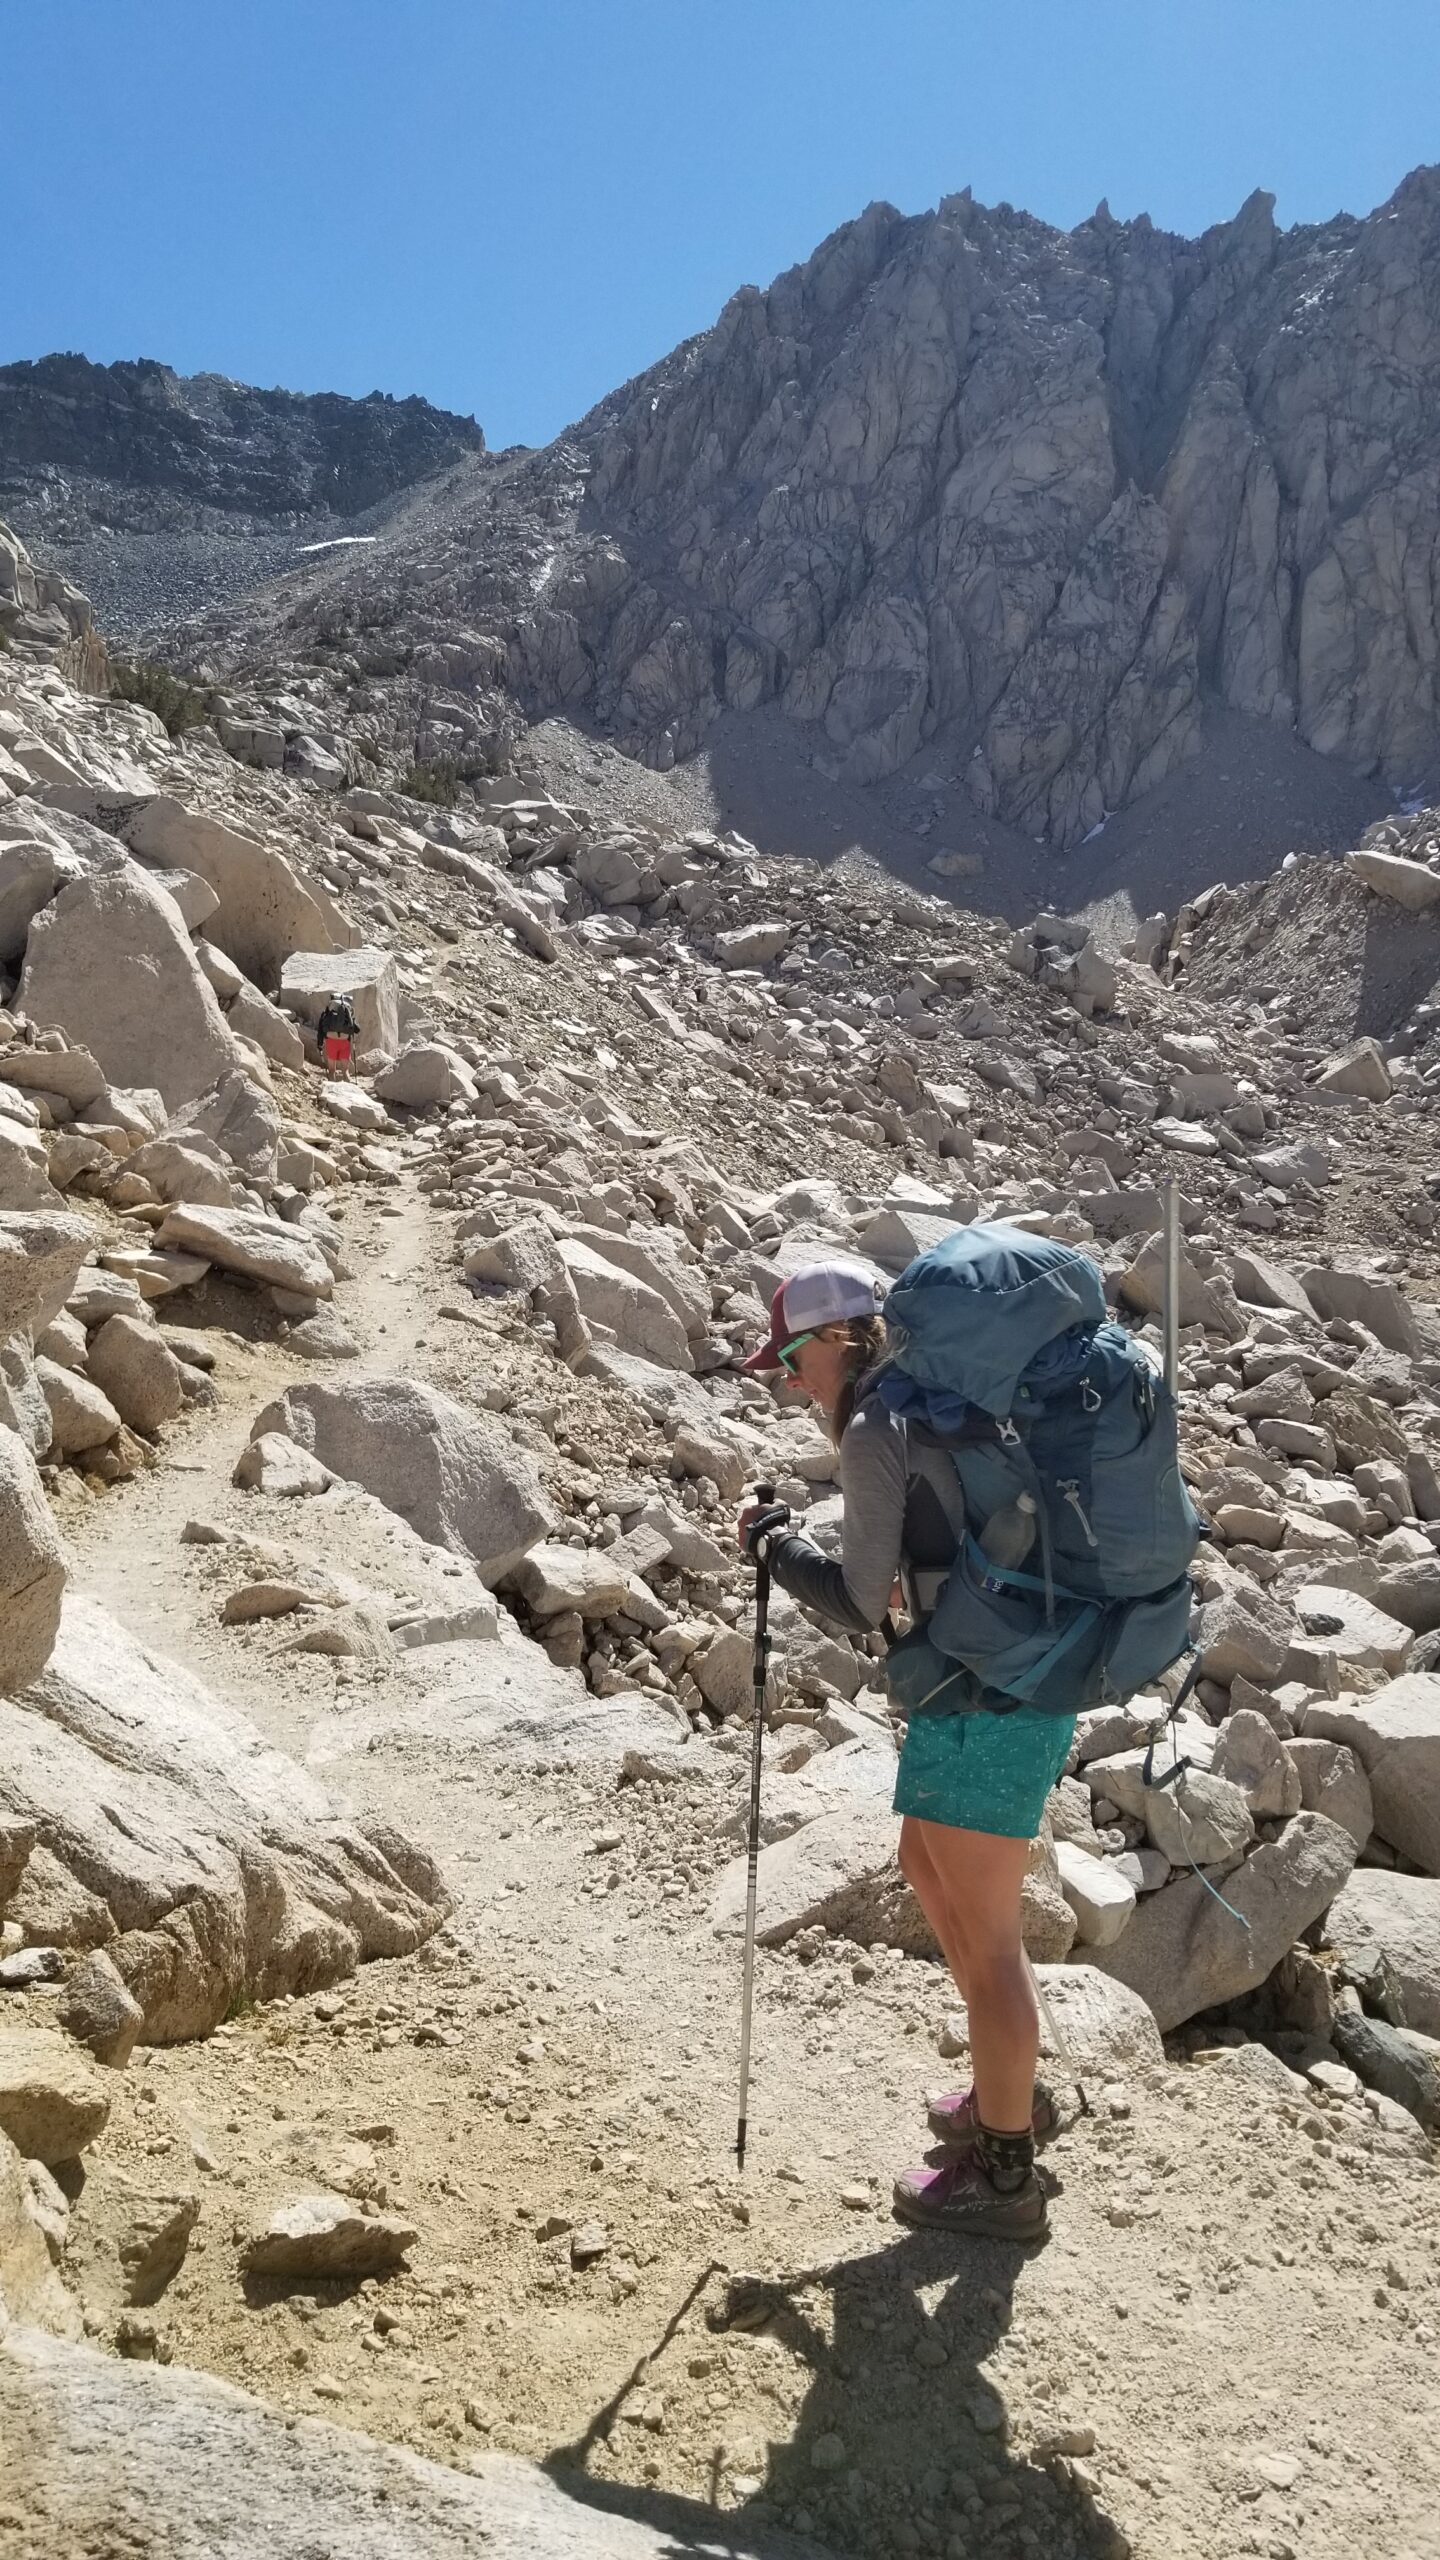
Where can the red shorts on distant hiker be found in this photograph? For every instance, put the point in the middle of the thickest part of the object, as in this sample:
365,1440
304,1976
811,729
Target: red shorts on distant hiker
336,1031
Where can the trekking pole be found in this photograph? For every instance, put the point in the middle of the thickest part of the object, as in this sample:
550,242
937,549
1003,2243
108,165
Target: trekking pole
764,1495
1170,1198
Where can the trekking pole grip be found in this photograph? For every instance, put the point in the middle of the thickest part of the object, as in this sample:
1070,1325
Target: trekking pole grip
763,1498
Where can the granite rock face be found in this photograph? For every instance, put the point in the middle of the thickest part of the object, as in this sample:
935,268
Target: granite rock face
154,2460
165,1830
1027,495
138,433
44,618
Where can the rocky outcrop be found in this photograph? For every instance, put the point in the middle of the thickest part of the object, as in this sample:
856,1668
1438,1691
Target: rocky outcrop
96,2465
160,493
43,617
208,1866
1018,499
1024,495
110,961
140,430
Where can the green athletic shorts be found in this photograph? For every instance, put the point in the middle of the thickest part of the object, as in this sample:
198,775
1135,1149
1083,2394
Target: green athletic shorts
983,1772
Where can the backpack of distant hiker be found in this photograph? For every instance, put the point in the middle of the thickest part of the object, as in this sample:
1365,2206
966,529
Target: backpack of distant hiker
1000,1350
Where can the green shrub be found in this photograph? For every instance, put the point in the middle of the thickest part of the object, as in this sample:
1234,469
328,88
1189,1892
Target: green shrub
439,783
180,706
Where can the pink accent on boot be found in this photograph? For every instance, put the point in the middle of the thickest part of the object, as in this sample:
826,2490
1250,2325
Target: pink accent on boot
960,2197
955,2120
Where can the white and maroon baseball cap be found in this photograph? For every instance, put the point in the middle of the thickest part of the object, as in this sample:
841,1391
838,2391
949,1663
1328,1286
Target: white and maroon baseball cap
823,1293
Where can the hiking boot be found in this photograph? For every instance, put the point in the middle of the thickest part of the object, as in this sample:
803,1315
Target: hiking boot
960,2197
955,2120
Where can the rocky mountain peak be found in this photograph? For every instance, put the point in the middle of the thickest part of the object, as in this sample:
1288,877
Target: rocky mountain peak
1029,497
133,432
961,504
1023,514
152,488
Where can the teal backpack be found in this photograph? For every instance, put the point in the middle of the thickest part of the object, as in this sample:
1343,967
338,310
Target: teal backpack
1000,1349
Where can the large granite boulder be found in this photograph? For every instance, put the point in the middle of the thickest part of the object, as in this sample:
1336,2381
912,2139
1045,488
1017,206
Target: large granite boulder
1385,1928
1184,1951
457,1477
105,2456
266,908
367,975
251,1245
30,2289
32,1568
209,1865
109,960
1394,1733
840,1871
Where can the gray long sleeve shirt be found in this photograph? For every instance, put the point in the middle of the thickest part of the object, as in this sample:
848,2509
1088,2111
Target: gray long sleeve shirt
904,1515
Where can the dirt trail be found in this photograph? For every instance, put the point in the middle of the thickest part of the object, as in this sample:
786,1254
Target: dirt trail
1202,2358
126,1547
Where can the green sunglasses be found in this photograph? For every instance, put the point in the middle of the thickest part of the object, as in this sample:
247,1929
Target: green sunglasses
786,1357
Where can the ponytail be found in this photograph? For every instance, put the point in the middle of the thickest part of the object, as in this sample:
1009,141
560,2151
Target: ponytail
867,1340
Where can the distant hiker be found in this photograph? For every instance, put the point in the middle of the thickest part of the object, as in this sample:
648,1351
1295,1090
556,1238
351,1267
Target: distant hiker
337,1032
1009,1470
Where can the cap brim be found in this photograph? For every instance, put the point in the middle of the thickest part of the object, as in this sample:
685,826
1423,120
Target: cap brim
767,1357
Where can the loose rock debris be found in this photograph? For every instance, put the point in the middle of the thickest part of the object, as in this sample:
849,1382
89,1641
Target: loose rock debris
375,1733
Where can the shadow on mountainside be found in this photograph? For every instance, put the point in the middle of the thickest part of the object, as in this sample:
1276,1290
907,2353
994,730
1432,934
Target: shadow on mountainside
1253,795
1401,967
900,2442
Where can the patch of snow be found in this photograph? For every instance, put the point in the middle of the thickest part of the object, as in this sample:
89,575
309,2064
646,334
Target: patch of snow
338,542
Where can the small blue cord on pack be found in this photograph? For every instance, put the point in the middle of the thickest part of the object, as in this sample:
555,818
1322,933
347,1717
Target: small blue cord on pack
1213,1890
1217,1896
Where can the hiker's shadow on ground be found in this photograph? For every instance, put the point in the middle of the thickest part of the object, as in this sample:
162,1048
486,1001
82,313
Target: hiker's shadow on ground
900,2441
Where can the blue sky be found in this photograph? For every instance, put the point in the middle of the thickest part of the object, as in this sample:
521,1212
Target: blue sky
514,205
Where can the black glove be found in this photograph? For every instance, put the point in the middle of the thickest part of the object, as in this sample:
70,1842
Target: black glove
766,1525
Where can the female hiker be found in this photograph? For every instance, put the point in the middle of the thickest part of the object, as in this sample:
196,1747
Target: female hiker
971,1788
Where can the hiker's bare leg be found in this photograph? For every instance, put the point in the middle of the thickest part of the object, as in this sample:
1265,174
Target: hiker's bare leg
920,1873
979,1876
